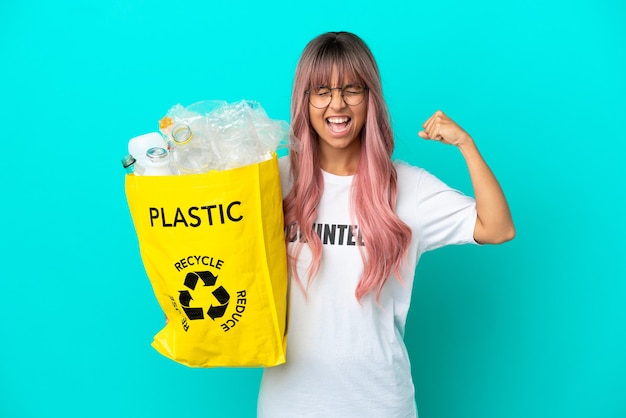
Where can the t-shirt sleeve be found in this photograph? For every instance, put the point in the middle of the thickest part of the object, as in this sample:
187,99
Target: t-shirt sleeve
446,216
285,174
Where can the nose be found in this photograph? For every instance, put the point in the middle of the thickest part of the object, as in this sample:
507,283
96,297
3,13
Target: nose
336,98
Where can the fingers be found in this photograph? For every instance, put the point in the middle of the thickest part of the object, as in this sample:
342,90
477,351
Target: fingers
440,127
433,127
424,135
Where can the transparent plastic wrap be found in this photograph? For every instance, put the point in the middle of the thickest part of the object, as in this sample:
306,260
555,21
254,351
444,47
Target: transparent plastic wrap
216,135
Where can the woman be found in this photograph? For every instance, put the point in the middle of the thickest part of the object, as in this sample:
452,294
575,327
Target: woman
354,219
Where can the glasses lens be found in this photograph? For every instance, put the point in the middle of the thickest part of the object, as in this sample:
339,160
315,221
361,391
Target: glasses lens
321,97
353,94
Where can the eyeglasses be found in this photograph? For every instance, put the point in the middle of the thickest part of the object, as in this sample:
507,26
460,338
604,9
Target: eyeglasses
352,94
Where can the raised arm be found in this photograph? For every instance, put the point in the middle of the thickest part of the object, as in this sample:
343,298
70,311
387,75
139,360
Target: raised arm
494,224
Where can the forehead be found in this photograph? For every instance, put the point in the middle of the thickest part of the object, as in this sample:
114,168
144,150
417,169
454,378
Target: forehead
334,74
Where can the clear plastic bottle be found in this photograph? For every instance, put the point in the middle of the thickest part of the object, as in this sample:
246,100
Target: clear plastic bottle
190,151
238,142
128,162
157,162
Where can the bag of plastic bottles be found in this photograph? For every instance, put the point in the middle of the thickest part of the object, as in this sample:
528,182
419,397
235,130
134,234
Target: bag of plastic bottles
213,243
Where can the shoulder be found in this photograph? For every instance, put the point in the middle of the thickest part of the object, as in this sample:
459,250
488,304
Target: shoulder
420,186
409,176
406,170
417,178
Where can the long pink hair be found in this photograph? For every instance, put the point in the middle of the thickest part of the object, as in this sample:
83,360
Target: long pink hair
374,188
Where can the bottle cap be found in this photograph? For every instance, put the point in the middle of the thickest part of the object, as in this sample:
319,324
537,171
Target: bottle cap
128,160
156,153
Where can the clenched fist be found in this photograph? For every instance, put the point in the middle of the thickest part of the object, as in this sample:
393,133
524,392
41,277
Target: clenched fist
441,128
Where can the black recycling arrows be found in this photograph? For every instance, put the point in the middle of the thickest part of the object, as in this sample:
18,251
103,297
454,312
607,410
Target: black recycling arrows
220,294
222,297
192,313
206,276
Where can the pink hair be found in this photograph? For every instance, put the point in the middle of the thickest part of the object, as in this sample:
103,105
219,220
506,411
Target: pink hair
374,188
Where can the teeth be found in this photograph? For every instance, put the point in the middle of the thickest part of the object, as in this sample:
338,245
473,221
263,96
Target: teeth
338,120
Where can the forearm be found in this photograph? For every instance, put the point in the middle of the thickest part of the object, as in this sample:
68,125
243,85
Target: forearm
494,223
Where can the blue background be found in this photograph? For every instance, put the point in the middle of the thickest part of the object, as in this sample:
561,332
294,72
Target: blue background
532,328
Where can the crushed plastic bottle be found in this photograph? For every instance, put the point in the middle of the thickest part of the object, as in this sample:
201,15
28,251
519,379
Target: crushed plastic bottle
238,142
212,135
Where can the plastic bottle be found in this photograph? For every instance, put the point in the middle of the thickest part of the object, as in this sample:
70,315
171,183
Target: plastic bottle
157,162
238,142
128,162
139,145
190,151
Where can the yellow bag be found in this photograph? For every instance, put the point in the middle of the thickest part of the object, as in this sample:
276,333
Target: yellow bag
213,247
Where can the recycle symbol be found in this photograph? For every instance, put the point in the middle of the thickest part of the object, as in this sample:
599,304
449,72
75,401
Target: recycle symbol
220,294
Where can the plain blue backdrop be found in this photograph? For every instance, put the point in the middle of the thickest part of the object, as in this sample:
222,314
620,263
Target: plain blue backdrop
532,328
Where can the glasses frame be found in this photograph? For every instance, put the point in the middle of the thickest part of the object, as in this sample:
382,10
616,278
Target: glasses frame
342,89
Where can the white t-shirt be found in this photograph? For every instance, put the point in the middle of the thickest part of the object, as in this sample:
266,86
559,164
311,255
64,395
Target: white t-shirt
345,358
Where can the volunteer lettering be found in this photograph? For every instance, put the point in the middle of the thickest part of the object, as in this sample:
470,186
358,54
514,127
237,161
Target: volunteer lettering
195,216
329,234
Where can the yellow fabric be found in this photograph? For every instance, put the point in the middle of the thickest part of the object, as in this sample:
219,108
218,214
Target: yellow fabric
213,248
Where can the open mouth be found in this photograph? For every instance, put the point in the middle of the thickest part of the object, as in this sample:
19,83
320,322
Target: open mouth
338,124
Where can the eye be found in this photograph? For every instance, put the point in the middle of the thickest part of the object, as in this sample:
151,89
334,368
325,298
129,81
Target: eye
321,91
353,89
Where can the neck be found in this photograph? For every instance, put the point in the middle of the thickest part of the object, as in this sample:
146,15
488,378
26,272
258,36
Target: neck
340,163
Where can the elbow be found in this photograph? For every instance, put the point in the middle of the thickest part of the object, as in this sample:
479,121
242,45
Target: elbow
497,236
506,235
